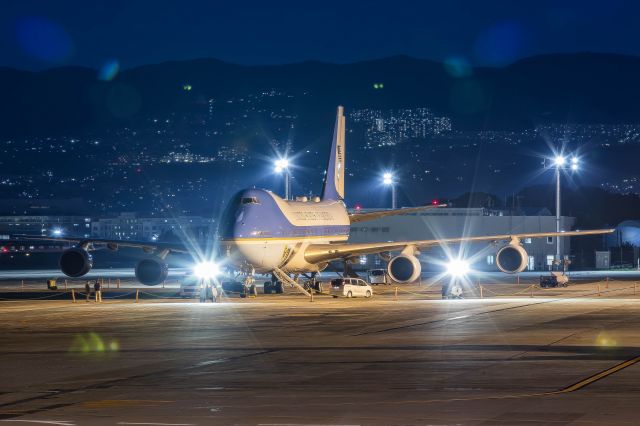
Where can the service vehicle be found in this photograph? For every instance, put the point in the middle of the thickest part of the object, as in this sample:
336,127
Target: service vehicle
378,276
190,286
350,287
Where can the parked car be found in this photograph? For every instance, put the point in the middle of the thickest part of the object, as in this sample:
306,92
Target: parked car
190,286
350,287
378,276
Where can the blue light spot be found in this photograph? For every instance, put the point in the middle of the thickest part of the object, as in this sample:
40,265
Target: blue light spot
44,40
501,44
109,70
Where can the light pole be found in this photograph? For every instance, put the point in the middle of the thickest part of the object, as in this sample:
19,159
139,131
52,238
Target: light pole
389,180
282,166
560,162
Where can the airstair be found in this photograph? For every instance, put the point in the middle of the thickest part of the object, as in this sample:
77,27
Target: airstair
285,278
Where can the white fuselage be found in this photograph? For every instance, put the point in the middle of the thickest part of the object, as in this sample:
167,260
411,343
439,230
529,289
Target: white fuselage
274,233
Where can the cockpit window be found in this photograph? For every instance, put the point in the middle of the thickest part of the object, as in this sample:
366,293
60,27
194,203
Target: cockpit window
249,200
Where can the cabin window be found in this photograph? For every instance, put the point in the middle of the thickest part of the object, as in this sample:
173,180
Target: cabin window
249,200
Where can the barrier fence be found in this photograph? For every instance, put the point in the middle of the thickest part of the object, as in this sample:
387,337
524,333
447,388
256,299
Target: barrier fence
600,288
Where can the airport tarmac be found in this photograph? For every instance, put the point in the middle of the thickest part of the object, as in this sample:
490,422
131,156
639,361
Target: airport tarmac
282,360
37,277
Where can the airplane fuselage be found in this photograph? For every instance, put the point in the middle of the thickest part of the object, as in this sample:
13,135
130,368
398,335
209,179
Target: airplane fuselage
261,231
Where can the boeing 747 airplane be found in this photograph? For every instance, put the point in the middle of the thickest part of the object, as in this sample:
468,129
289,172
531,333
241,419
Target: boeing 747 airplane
263,233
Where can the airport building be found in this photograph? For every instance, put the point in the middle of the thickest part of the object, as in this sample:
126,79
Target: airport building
128,226
469,222
45,225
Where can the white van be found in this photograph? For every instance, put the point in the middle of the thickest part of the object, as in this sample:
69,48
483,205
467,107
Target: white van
350,287
378,276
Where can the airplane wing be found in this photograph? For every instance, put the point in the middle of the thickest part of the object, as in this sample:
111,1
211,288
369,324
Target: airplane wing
318,253
363,217
146,246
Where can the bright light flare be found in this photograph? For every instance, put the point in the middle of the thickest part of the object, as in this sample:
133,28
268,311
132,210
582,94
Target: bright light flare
281,164
57,232
559,160
387,178
458,268
574,163
206,270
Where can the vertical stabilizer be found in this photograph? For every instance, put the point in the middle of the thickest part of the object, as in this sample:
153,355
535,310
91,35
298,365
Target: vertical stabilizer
333,188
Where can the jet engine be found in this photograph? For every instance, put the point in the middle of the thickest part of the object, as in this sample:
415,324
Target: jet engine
75,262
404,268
151,271
512,259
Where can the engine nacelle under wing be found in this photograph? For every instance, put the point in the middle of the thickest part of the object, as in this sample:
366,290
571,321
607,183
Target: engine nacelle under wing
151,271
404,268
512,259
75,262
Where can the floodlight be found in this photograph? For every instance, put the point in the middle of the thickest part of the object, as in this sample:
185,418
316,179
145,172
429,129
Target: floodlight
458,267
387,178
559,160
281,164
206,270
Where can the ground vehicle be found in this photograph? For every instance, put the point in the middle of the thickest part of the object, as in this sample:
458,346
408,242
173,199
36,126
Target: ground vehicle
556,279
378,276
350,287
452,290
190,287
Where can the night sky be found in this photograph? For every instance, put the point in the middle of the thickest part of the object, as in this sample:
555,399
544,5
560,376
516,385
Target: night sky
42,34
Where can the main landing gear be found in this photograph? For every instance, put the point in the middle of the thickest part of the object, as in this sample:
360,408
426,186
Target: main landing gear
274,286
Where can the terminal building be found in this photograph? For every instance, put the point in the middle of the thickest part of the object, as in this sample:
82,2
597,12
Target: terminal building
128,226
467,222
45,225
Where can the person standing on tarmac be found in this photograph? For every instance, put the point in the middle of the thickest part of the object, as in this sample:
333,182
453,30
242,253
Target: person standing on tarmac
203,292
87,290
214,293
98,288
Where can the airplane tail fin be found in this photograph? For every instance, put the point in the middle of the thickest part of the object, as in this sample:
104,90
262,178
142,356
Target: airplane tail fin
333,187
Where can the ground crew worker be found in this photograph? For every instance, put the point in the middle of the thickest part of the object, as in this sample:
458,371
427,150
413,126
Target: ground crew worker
445,290
214,293
203,292
98,288
87,290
